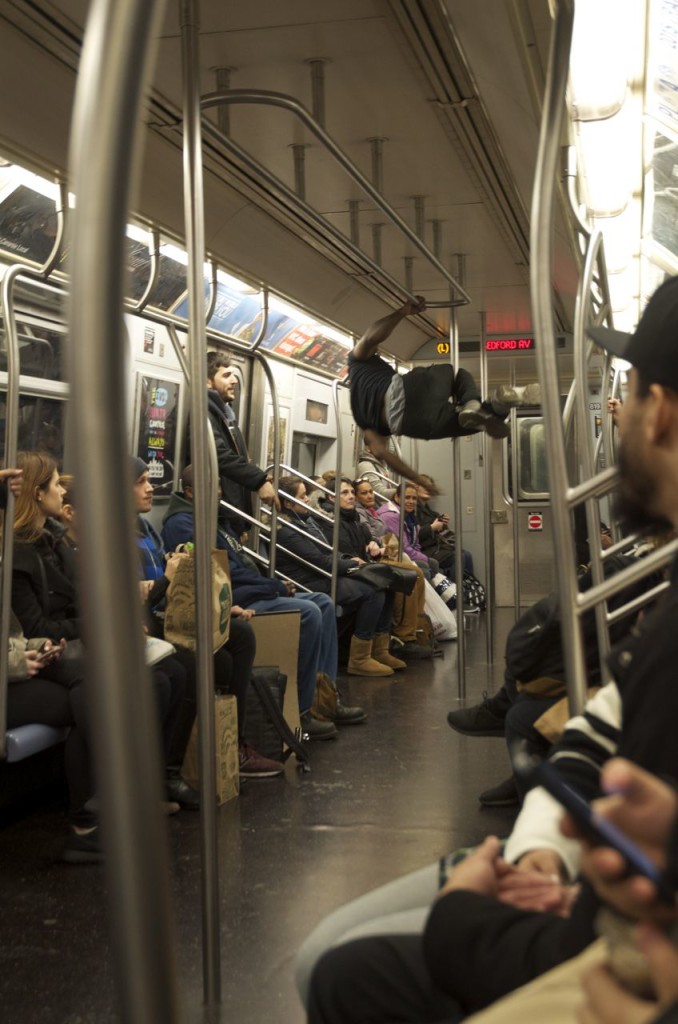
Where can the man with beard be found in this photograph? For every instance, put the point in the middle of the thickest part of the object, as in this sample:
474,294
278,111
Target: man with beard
476,948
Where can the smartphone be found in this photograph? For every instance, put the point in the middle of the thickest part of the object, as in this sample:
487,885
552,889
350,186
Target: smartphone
597,829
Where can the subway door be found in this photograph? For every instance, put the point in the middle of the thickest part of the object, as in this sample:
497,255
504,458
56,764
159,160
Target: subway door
529,502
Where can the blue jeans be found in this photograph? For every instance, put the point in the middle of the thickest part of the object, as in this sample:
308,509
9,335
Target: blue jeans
317,638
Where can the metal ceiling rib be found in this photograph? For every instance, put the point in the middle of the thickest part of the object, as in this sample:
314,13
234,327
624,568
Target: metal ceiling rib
428,30
399,69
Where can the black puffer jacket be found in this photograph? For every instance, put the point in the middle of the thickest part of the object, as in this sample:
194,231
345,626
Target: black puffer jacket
44,587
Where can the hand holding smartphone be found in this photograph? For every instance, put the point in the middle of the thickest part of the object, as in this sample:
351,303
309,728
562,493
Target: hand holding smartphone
597,829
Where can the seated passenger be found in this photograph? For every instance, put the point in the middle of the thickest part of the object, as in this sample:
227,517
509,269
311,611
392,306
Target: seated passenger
356,541
407,609
46,602
389,513
475,950
33,697
318,636
232,663
366,507
371,607
427,402
435,537
372,469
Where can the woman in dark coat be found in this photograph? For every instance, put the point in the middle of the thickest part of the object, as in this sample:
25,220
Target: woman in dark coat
369,644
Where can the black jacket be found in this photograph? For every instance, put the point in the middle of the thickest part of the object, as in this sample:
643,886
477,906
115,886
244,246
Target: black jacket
436,544
354,536
311,552
466,931
238,475
44,589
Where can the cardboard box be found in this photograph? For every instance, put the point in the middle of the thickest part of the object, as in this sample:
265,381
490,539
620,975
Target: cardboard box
278,644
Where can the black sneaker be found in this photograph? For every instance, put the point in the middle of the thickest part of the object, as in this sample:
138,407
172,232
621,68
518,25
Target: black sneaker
83,847
480,720
503,795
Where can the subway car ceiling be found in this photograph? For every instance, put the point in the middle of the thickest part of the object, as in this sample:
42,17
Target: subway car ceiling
454,155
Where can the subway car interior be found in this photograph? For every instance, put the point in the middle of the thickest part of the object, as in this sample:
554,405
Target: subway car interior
264,181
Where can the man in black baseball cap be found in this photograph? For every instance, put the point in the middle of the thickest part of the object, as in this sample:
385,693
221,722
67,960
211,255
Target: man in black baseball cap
653,347
648,419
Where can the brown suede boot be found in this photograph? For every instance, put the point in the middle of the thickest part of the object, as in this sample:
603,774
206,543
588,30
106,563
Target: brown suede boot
361,664
380,653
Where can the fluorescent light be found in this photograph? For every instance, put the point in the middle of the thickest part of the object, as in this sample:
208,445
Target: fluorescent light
602,56
609,161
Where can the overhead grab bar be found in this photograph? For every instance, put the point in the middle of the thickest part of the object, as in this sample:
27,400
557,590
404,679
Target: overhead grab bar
266,97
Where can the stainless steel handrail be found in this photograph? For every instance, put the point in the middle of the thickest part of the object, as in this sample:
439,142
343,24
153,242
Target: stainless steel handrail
488,499
542,318
270,377
263,325
582,317
337,477
269,98
154,273
458,513
204,495
324,229
11,442
11,342
641,567
113,65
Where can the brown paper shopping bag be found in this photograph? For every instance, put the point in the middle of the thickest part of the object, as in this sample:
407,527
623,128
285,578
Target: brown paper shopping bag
180,624
226,743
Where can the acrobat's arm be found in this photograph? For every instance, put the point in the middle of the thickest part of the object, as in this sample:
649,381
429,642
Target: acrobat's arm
380,448
381,329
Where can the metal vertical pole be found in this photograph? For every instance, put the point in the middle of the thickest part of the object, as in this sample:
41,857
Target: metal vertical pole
317,66
542,317
376,243
223,82
409,277
299,154
513,420
457,506
377,145
419,215
115,59
205,493
488,499
354,216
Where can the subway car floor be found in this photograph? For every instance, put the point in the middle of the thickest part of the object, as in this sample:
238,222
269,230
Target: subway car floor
387,797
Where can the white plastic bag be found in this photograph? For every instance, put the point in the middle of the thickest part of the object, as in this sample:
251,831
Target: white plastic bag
442,617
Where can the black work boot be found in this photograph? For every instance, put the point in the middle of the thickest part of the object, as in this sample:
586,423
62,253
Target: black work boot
178,791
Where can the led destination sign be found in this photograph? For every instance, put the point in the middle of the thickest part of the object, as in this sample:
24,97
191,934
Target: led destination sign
509,344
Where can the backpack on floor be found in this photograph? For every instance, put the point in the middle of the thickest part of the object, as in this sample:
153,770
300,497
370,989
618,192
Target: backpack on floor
266,728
